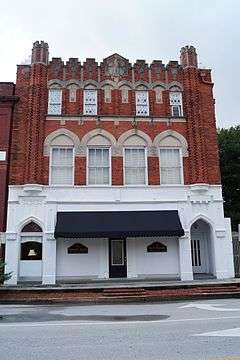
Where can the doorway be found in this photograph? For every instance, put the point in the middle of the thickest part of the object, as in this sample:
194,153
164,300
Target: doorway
117,258
201,248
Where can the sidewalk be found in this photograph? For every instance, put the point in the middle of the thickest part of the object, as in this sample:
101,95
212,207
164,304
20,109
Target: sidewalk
110,291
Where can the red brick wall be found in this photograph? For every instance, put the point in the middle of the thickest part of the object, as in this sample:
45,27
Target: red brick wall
7,100
30,127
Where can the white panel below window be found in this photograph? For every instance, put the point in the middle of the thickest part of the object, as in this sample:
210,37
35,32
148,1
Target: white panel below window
2,155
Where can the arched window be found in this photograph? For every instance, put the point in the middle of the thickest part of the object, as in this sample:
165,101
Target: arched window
55,100
175,97
90,100
31,242
142,101
98,144
157,247
135,160
77,248
62,161
172,147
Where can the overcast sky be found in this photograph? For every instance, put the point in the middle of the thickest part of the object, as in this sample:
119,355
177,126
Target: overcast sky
136,29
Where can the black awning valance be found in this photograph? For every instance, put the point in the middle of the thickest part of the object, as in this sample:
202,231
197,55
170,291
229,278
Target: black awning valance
117,224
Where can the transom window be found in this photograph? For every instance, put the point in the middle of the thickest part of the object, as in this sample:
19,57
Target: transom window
62,161
170,166
98,166
90,102
135,166
54,101
176,103
142,103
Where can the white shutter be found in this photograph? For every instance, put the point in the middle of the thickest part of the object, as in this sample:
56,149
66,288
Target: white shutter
98,166
90,102
170,166
135,166
62,166
54,101
142,103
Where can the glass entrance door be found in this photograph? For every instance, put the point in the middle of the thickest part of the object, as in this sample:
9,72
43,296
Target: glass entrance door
117,258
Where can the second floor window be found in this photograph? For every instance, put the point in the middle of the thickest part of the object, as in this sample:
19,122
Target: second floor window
54,102
176,104
98,166
61,171
135,166
170,166
90,102
142,103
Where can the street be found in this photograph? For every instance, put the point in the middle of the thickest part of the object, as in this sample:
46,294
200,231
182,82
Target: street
181,330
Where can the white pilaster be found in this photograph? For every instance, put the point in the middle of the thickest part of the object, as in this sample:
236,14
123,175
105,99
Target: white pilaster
131,247
185,258
12,258
103,266
49,259
224,267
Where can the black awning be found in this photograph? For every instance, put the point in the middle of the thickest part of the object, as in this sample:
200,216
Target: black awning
117,224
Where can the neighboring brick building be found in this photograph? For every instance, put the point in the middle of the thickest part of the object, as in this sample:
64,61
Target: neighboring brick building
114,171
7,101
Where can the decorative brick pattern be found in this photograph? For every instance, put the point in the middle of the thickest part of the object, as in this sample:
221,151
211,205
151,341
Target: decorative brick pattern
30,127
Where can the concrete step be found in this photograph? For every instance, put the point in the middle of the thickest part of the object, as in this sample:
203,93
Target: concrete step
124,292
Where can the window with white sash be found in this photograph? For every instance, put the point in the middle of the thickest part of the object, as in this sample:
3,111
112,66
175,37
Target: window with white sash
62,166
98,166
54,102
176,103
170,166
135,166
142,103
90,102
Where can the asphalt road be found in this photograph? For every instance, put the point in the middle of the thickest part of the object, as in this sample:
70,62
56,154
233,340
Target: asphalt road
197,330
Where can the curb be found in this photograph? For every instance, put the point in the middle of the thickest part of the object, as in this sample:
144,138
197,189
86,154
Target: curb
102,301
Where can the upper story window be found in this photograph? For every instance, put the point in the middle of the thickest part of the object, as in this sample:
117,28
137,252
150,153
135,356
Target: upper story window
61,166
135,166
170,166
176,103
54,101
142,103
98,166
90,102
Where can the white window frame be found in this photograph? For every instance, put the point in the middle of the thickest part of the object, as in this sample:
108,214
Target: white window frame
181,164
147,106
50,165
146,166
84,103
179,106
60,103
110,166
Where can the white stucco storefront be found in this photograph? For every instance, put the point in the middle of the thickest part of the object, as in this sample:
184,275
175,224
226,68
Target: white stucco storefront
200,209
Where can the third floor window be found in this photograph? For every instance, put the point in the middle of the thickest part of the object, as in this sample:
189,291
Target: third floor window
142,103
90,102
54,101
176,104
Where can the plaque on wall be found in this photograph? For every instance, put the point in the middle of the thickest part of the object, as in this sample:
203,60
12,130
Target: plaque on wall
77,249
156,247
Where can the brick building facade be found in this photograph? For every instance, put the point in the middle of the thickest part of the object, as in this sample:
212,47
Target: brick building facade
115,139
7,101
